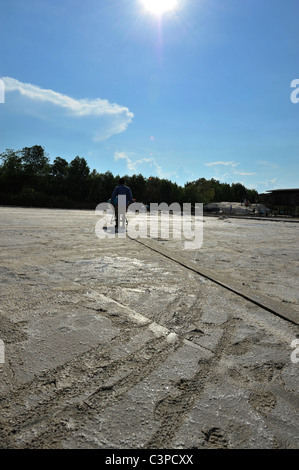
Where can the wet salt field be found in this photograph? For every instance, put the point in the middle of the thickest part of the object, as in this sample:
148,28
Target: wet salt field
109,344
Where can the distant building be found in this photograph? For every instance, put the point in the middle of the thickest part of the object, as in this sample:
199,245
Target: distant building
282,201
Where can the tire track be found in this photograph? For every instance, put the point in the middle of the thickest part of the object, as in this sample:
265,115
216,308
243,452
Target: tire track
173,410
77,388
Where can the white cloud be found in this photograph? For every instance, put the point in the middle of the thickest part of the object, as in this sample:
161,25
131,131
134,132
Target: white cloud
265,163
243,173
132,165
110,118
122,156
224,178
233,164
269,183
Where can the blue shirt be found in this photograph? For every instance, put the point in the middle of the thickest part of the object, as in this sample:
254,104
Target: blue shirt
122,189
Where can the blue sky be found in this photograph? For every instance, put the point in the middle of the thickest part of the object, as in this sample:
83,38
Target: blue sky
201,91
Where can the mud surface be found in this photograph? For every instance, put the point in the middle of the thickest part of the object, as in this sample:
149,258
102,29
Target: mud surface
110,345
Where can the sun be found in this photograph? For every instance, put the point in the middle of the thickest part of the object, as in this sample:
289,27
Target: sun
160,6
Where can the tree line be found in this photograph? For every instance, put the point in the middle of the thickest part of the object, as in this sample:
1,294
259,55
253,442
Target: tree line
28,178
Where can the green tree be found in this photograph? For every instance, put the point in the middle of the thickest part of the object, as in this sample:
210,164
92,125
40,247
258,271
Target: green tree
191,194
238,192
78,181
222,191
11,172
26,176
252,196
101,186
36,167
137,185
59,175
59,168
199,191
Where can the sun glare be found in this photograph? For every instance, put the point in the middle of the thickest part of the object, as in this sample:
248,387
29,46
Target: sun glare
159,6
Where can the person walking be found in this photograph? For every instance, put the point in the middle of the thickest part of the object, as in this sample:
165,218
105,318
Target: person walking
121,190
